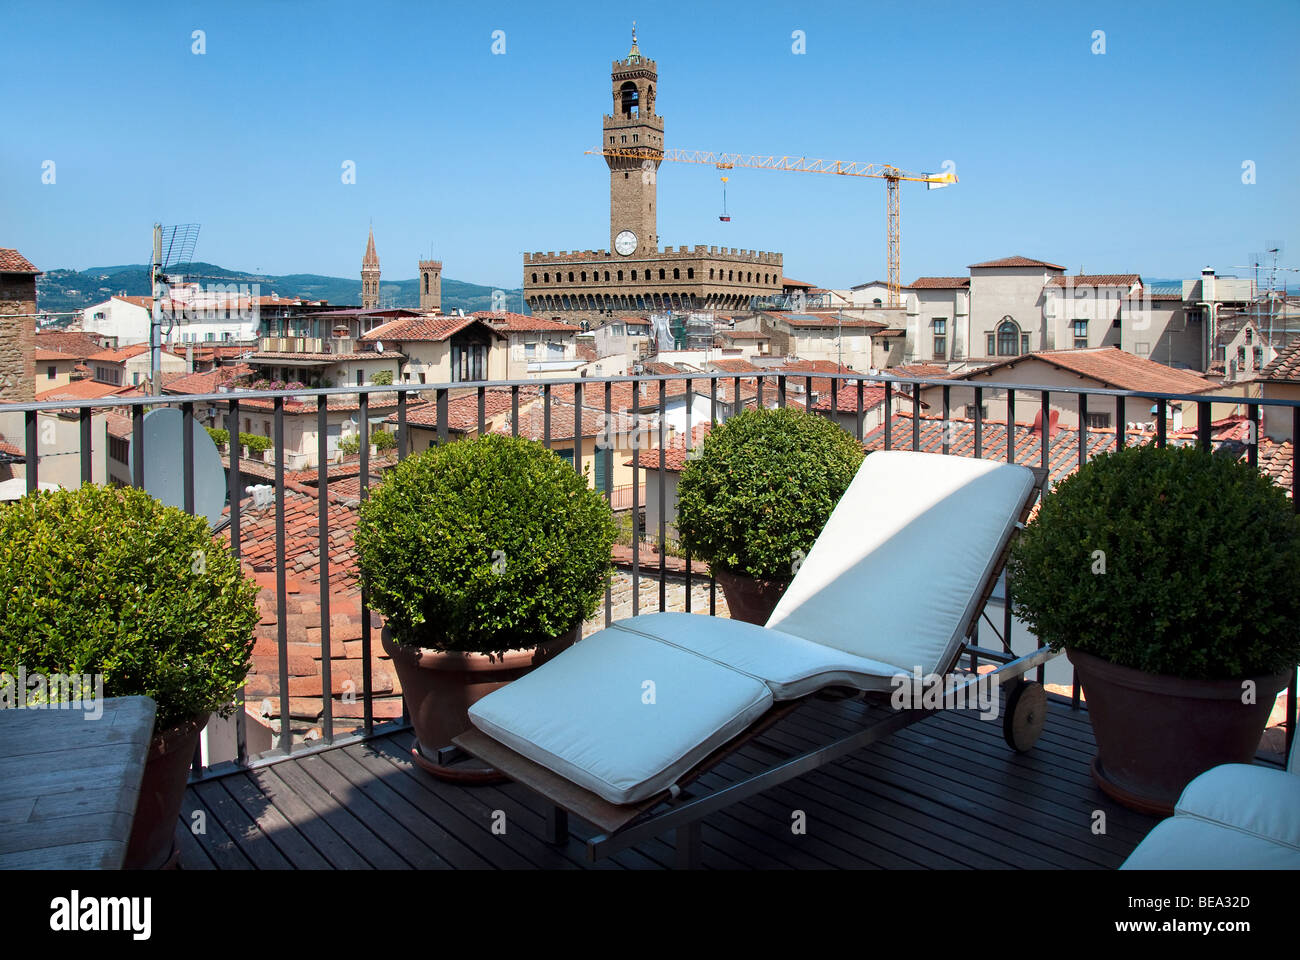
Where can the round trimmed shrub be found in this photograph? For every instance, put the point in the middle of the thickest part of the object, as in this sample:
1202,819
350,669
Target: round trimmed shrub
107,580
484,545
1173,561
383,378
219,435
762,487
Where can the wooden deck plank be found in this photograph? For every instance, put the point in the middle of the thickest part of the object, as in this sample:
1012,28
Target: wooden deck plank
241,827
315,829
296,848
217,844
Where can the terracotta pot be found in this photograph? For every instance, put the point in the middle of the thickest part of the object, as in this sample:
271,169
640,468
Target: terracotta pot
749,598
439,687
166,772
1156,733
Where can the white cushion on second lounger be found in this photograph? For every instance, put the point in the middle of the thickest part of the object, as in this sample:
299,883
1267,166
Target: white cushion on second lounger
791,666
894,575
583,714
1187,843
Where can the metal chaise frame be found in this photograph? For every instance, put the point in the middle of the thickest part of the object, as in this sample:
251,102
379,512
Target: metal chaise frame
625,825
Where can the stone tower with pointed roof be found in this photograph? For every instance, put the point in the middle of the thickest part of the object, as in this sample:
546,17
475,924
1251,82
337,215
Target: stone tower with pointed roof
633,127
370,275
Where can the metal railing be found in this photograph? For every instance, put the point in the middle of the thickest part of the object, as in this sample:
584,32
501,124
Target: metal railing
592,398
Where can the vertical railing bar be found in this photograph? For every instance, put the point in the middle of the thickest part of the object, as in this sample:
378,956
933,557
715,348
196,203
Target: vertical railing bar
889,415
858,421
947,413
137,447
577,428
636,497
482,409
281,604
780,391
87,441
761,379
808,392
663,523
1252,441
32,456
1045,436
322,528
514,410
916,415
979,421
1203,428
187,455
236,550
1161,429
610,433
1011,431
441,409
367,681
1083,428
1295,505
402,434
546,416
689,445
1121,426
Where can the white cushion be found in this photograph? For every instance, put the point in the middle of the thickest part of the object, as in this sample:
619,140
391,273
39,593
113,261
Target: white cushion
1248,798
583,714
1189,843
895,575
791,666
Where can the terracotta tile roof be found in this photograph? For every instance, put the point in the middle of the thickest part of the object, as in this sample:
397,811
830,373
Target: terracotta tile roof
323,358
1109,366
520,323
145,302
87,390
462,411
117,424
301,534
11,261
658,369
787,282
927,370
1125,280
119,355
426,328
1277,460
587,352
674,453
824,319
734,366
72,342
1016,261
743,335
872,395
820,385
532,422
939,283
1163,295
43,354
1285,367
10,449
199,383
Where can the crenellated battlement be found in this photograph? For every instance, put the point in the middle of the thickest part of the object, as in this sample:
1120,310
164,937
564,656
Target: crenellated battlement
730,254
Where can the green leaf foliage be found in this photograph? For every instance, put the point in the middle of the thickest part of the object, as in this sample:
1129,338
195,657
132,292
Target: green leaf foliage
484,545
1201,555
382,377
763,486
350,444
255,442
219,435
107,580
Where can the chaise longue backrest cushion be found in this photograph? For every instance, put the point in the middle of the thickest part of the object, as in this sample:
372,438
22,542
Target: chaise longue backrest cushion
897,571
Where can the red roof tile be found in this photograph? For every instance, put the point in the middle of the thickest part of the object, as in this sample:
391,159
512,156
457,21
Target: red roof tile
1285,367
1109,366
1125,280
1016,261
71,342
939,283
520,323
199,383
11,261
425,328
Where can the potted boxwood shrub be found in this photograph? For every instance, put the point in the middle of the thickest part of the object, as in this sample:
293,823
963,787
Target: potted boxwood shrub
485,556
1168,576
755,498
108,581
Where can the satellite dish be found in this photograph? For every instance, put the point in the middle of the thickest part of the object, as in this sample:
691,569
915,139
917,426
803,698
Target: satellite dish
164,467
379,346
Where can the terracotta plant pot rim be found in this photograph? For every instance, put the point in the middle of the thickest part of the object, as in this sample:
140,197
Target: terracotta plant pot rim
164,741
463,660
1160,683
764,582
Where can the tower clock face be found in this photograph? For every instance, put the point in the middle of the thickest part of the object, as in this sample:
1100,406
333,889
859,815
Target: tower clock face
625,243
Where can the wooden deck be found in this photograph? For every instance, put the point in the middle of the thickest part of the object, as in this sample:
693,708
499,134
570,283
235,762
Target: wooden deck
944,793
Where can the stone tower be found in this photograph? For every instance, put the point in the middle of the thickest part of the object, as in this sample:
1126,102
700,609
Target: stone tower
430,286
634,128
370,275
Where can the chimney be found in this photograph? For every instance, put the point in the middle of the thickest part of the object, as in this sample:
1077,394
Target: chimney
1051,423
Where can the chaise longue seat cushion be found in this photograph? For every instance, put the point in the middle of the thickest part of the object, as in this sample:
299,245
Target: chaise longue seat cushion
1233,816
622,714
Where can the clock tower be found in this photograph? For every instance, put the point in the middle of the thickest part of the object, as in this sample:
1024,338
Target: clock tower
637,132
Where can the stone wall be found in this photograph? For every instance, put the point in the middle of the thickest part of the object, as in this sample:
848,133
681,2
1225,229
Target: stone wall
17,336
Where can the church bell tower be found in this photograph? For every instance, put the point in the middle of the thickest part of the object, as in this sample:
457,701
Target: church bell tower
370,275
637,134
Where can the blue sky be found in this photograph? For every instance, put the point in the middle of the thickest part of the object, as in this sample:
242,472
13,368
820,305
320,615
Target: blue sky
1125,161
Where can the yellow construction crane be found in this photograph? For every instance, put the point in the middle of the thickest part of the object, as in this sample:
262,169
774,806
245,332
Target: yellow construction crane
844,168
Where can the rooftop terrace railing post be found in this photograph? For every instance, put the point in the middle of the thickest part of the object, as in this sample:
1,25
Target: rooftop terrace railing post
402,433
1203,429
514,410
780,392
87,442
323,530
808,393
137,447
1295,505
482,409
440,397
759,402
858,420
1045,444
546,416
281,601
237,549
663,520
690,445
979,421
889,418
33,457
367,683
608,453
916,415
577,428
187,455
1121,426
1083,428
1252,439
1011,426
1161,428
947,412
636,497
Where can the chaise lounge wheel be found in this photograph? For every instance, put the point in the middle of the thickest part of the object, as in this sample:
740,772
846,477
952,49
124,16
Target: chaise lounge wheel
1024,713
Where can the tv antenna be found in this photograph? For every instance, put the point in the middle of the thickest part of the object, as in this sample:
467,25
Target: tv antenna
171,245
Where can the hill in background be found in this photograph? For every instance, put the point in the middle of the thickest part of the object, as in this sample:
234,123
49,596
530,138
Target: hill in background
65,290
